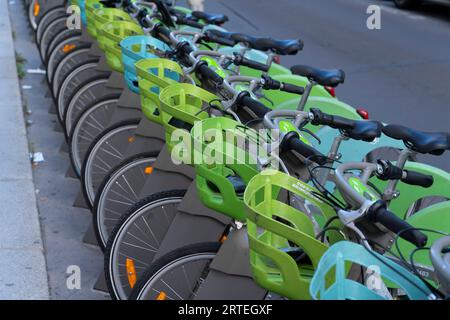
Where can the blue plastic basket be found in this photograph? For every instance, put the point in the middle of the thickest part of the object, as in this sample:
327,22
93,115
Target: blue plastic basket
82,5
325,286
137,48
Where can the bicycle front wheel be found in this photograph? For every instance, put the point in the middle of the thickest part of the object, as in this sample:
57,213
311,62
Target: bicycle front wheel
106,152
88,127
177,275
136,239
119,191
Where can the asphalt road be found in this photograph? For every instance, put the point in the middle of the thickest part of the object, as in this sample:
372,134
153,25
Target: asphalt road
400,73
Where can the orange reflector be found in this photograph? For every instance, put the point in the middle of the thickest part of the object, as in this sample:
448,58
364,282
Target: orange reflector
148,170
161,296
68,47
131,273
223,239
131,139
37,9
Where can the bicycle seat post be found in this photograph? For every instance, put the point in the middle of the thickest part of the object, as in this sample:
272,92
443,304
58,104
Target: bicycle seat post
270,59
306,94
390,192
244,50
333,155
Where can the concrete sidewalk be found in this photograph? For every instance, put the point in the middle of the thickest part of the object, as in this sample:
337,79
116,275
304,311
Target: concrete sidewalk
23,273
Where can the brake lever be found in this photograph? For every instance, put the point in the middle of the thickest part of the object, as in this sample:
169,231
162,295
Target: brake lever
267,99
312,134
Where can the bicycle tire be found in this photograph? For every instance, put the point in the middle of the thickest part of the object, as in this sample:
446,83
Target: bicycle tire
110,179
117,291
79,102
75,160
166,262
96,144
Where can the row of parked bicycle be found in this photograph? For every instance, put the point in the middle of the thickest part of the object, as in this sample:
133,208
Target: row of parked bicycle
213,172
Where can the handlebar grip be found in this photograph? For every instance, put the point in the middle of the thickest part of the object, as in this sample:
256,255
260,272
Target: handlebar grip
337,122
292,88
159,31
190,23
271,84
110,3
211,37
259,109
417,179
398,226
207,73
295,144
242,61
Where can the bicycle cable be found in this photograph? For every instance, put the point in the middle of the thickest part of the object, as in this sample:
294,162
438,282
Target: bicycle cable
324,194
412,266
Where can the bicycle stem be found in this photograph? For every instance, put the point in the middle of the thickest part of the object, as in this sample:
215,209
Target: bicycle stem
390,192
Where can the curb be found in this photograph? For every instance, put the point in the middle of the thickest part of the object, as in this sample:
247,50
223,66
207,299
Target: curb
23,271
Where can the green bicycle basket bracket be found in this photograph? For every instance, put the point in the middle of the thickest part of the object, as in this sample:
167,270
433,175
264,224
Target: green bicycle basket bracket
91,6
380,267
105,15
272,224
153,76
111,34
223,164
182,105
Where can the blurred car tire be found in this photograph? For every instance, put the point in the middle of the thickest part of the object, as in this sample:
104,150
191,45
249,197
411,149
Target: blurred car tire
407,4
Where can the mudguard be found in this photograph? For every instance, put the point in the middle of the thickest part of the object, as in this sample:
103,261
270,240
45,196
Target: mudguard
435,217
352,150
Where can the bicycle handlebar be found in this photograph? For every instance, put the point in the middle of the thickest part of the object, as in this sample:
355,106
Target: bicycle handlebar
336,122
211,37
259,109
388,171
417,179
111,3
207,73
190,23
293,142
159,30
379,213
240,60
441,265
272,84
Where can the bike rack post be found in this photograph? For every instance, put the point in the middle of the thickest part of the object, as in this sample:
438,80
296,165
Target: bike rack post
71,173
193,223
230,275
167,176
100,284
80,202
89,236
128,107
64,148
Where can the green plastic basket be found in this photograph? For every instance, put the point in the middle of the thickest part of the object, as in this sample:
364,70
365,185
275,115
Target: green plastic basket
182,105
91,6
153,76
272,224
224,163
105,15
110,35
